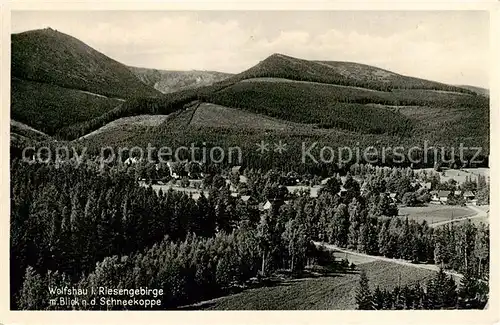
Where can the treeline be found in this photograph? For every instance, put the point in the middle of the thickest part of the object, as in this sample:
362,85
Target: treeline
439,292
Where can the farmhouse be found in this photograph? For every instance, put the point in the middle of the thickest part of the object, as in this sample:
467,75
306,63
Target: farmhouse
469,196
441,196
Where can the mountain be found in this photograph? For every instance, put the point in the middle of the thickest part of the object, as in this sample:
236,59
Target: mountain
339,73
52,57
58,81
167,81
334,103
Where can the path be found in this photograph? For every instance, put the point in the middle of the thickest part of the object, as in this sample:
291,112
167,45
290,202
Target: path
479,214
430,267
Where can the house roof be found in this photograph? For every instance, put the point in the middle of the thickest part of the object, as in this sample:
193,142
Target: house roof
458,192
245,198
468,193
392,195
444,193
236,169
267,206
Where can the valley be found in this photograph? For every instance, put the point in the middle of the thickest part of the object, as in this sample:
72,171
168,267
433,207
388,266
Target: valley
281,228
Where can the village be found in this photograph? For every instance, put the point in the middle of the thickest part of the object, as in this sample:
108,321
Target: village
445,200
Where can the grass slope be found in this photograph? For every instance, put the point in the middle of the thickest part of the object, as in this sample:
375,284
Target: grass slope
334,292
435,213
167,81
52,57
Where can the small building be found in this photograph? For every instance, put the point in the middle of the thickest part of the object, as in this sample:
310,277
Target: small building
469,196
442,196
131,161
393,197
457,193
235,169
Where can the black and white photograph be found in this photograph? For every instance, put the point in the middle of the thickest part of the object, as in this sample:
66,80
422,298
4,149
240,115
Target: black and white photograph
249,160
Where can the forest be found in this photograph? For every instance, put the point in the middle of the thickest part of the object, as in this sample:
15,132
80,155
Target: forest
85,227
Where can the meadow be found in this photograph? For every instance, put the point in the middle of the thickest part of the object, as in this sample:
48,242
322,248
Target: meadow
435,213
329,292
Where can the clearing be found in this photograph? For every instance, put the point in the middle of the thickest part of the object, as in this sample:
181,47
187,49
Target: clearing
459,175
435,213
212,115
129,122
329,292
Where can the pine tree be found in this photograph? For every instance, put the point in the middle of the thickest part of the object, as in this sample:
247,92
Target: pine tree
364,297
379,299
33,291
468,291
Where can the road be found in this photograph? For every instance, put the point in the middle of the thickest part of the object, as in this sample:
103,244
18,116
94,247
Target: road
479,214
431,267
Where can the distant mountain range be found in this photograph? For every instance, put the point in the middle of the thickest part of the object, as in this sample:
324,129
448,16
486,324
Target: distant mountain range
66,89
167,81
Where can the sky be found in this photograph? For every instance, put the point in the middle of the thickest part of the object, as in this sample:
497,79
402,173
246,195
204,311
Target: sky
445,46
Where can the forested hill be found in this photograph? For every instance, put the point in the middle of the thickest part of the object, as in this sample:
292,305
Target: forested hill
66,89
58,81
339,73
52,57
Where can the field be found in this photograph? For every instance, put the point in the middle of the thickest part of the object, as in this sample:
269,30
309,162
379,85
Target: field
435,213
130,122
211,115
353,258
459,175
331,292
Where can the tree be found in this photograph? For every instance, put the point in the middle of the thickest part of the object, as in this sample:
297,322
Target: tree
364,297
296,241
332,186
472,293
341,225
264,237
379,299
441,290
410,199
33,291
